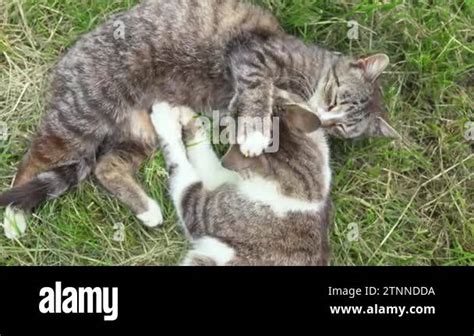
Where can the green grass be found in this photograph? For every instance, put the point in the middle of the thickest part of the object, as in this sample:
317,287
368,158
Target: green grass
411,200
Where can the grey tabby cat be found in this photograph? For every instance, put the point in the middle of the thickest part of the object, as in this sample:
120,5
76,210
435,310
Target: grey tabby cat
204,54
273,209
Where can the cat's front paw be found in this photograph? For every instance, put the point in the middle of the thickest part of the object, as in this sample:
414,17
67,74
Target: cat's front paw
153,216
254,144
166,121
14,223
187,116
254,135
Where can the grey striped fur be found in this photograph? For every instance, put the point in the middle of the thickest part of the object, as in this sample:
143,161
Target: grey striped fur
205,54
288,226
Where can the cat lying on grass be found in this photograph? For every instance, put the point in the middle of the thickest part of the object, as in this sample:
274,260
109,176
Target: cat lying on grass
273,209
208,55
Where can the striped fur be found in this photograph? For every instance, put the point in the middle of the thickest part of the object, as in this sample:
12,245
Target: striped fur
205,54
276,211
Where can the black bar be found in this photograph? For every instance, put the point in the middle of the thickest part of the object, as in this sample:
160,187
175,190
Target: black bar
200,298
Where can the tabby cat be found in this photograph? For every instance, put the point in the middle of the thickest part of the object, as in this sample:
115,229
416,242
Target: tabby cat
204,54
267,210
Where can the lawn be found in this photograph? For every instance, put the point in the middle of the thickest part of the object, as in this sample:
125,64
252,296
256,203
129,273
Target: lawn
408,202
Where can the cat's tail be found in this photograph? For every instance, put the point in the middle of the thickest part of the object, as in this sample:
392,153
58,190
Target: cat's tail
48,185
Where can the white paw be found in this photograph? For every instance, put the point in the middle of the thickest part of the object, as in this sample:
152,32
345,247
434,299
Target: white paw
187,115
153,216
14,223
254,144
166,121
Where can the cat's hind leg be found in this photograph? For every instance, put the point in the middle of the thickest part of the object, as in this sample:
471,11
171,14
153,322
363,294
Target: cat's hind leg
166,121
53,165
206,250
115,171
201,154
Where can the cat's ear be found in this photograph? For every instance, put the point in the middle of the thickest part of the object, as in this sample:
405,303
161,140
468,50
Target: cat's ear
301,117
297,114
374,66
236,161
380,128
